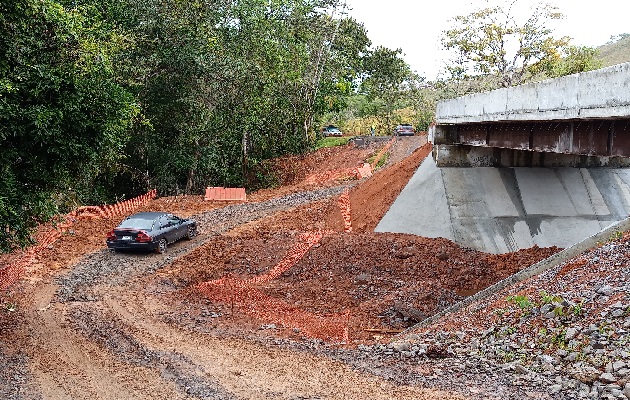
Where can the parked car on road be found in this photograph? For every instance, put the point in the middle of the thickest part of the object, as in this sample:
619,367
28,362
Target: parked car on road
150,231
331,130
404,130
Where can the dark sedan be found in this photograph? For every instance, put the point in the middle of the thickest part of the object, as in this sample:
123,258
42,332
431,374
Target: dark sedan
150,231
404,130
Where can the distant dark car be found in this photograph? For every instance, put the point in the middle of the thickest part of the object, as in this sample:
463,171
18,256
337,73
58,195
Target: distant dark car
331,130
404,130
150,231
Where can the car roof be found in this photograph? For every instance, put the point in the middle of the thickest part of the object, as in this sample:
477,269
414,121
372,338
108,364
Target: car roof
148,214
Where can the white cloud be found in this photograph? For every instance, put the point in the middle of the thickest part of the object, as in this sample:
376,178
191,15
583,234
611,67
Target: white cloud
415,26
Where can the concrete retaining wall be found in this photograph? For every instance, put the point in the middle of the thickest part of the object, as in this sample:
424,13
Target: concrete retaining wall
500,210
604,93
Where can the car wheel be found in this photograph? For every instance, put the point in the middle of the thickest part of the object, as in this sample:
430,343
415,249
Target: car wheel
162,245
191,232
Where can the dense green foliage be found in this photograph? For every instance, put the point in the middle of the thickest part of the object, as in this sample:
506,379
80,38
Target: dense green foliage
100,100
63,117
103,100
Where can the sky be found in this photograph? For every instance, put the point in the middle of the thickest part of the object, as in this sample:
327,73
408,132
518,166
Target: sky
415,26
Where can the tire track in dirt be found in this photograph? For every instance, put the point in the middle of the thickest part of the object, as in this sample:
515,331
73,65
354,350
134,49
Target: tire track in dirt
64,365
97,332
253,371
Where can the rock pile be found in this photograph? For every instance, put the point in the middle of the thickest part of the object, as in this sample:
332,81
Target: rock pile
566,331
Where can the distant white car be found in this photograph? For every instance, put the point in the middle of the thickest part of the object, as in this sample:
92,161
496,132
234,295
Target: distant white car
331,130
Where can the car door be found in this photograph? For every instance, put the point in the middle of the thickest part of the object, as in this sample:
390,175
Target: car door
165,230
177,224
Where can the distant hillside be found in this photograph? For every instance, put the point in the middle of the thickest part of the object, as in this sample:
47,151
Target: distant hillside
615,53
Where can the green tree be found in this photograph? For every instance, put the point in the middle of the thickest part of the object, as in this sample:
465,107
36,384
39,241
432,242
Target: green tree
386,81
576,59
226,85
492,43
63,117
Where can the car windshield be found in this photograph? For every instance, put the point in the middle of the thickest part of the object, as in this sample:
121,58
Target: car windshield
137,223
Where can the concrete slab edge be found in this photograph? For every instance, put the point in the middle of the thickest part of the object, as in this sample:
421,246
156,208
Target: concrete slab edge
533,270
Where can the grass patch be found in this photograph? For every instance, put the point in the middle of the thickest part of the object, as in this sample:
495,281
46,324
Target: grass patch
332,142
382,161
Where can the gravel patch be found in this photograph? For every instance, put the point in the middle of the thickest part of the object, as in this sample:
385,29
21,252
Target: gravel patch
564,334
15,379
108,267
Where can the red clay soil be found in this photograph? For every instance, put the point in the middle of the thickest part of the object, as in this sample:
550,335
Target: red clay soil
379,278
374,276
371,200
293,171
358,280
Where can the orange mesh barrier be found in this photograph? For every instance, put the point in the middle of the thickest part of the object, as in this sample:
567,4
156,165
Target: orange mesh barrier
243,295
110,210
225,194
344,206
12,273
293,257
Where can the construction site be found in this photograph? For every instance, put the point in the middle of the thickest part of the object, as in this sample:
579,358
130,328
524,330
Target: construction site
335,286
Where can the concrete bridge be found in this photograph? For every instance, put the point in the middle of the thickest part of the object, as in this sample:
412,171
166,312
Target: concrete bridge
581,120
564,125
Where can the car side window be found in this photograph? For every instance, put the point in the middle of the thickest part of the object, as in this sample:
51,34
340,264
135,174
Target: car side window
163,221
173,220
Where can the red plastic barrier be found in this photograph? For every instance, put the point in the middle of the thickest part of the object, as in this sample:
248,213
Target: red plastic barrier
225,194
12,273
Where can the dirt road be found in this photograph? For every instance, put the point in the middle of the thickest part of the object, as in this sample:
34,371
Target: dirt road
87,323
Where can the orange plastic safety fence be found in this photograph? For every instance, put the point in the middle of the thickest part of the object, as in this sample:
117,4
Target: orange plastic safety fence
293,257
242,295
344,206
11,274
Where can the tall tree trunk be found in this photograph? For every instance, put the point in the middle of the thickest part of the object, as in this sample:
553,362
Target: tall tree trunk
244,158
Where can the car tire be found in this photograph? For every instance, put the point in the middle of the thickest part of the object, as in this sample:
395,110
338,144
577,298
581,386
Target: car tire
162,246
190,232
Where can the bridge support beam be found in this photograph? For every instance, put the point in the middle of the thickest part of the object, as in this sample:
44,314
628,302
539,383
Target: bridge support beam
574,143
477,156
580,137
